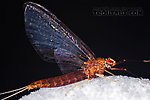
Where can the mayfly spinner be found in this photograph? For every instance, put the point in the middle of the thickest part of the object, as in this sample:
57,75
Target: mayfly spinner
53,40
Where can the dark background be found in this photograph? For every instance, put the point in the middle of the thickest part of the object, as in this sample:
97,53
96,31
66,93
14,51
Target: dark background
117,37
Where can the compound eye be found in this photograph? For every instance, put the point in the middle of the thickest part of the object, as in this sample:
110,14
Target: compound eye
110,62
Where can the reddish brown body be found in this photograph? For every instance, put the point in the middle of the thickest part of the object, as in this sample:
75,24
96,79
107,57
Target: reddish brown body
59,80
89,69
94,66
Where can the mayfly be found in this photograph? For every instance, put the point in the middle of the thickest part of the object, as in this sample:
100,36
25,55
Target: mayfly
54,41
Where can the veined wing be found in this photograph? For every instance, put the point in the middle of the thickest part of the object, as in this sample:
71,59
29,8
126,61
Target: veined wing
53,40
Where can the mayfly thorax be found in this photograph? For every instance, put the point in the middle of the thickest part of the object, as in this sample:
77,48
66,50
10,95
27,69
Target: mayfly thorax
54,41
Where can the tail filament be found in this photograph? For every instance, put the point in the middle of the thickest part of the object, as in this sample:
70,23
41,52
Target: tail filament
19,91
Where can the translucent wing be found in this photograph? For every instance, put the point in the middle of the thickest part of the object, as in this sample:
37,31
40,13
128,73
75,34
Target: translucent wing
53,40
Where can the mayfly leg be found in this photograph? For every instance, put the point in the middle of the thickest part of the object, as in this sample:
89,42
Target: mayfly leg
146,60
102,76
76,85
129,72
110,73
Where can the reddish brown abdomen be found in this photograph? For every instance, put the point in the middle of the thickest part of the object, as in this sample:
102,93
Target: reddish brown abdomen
61,80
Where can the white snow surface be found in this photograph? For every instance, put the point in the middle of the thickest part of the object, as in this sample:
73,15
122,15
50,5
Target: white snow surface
126,88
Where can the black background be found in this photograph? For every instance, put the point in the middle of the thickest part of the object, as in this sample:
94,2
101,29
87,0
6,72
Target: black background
116,37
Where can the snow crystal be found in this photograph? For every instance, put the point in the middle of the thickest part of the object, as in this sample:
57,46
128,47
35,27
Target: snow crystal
126,88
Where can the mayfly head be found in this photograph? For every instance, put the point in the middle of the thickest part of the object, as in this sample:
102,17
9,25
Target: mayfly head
110,63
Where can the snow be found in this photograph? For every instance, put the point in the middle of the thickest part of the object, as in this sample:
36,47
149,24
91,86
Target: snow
126,88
